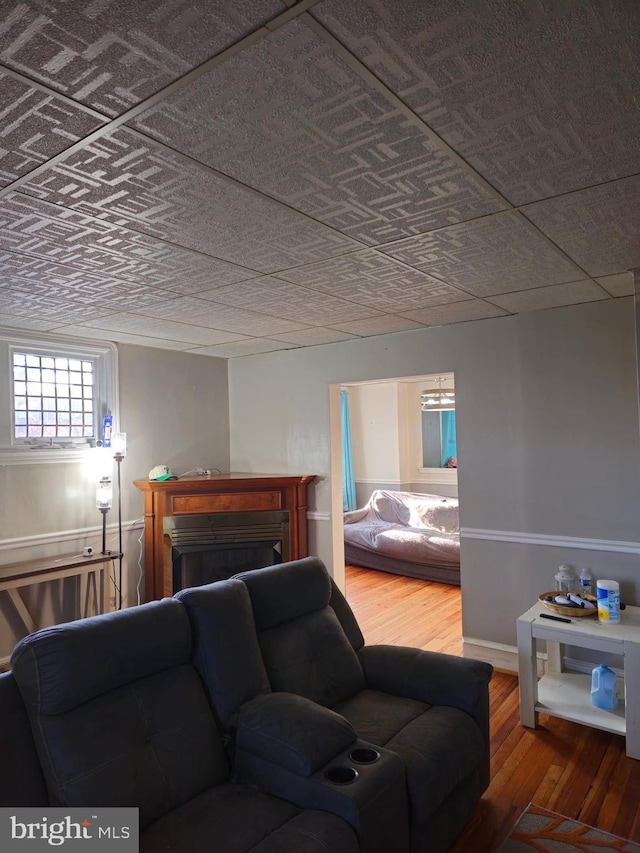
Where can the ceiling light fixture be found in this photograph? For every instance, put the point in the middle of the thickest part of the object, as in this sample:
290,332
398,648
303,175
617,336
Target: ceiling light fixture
440,399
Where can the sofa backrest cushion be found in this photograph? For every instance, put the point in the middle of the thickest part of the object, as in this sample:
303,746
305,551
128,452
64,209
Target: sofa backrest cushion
119,712
225,643
412,509
21,779
304,646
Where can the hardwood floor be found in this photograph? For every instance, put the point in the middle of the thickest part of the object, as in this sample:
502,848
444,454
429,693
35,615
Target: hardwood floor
576,771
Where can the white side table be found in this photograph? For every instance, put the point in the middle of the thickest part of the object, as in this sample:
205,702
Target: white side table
568,694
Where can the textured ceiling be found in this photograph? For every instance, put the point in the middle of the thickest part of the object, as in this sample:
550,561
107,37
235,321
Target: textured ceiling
239,177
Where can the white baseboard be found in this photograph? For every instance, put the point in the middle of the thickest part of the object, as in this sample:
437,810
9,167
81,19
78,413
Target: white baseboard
498,655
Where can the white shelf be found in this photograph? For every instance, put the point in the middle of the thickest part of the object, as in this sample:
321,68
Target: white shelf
568,695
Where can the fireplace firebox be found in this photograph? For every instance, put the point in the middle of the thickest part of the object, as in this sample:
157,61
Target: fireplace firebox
200,549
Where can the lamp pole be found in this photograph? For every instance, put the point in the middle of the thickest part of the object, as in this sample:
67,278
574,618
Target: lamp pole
119,452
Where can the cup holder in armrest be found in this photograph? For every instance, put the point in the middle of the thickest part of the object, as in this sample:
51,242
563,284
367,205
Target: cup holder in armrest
364,755
341,775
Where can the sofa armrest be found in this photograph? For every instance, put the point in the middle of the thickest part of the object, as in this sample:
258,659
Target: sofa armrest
354,515
292,732
431,677
310,756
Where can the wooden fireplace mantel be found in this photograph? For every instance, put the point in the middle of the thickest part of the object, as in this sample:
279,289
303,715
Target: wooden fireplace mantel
216,493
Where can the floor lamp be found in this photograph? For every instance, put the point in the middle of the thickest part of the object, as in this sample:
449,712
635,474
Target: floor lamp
119,446
104,499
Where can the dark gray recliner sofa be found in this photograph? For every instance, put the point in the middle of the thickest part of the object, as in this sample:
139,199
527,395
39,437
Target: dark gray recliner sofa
119,717
430,710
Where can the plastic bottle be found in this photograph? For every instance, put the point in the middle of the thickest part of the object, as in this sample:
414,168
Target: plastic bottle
586,582
603,688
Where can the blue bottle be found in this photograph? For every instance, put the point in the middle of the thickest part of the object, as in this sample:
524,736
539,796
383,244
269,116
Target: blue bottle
603,688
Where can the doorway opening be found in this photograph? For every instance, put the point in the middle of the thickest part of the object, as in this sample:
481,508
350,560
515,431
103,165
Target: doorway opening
404,461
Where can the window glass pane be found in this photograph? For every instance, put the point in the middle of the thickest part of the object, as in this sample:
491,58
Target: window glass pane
54,387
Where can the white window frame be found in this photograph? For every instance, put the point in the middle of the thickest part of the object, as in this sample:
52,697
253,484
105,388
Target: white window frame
105,354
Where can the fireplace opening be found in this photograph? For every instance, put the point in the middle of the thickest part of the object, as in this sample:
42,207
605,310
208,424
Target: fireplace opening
201,549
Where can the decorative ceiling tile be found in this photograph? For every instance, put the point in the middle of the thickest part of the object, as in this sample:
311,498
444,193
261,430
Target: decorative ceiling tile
167,329
497,254
289,117
37,304
376,280
383,325
556,296
34,276
252,347
618,285
314,337
540,98
145,236
34,127
143,186
122,337
270,295
599,227
112,54
12,321
41,229
212,315
459,312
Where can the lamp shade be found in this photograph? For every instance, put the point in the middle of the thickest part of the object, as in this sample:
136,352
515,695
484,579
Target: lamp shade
104,494
119,444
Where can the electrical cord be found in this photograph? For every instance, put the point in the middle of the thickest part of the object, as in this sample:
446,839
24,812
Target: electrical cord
200,472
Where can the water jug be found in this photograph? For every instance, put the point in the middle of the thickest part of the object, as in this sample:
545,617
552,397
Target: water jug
603,688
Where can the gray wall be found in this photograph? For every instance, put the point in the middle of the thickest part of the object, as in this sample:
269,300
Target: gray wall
547,443
174,409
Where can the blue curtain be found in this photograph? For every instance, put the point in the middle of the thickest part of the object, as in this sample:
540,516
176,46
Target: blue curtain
348,479
448,427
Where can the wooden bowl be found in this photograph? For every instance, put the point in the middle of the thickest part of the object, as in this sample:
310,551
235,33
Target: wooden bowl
563,610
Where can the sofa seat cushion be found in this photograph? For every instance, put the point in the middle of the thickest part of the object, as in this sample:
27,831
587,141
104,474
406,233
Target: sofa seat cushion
440,746
378,716
238,818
